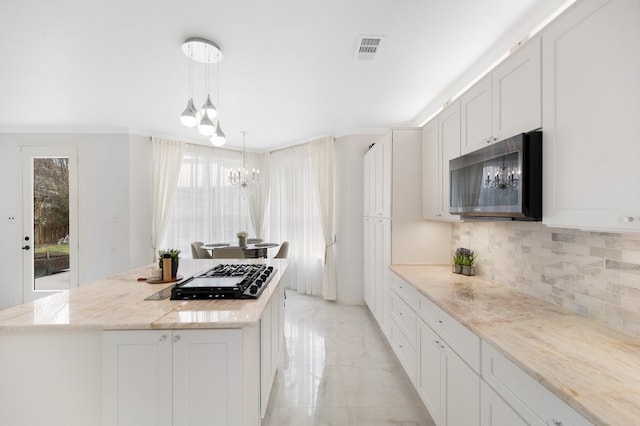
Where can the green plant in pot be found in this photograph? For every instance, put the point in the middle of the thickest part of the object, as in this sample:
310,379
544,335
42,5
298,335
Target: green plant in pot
174,255
464,260
242,238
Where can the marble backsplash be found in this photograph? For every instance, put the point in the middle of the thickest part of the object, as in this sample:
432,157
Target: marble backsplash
594,274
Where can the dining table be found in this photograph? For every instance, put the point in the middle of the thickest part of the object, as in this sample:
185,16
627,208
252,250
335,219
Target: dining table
251,251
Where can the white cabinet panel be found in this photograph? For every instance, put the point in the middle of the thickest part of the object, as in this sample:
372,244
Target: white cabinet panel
476,114
449,148
532,401
517,103
429,378
591,92
494,411
462,390
207,365
137,382
431,185
505,102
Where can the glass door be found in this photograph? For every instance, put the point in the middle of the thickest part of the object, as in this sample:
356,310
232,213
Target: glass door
50,220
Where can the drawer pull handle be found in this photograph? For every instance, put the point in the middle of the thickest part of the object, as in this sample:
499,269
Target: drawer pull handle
176,338
400,346
436,342
163,338
439,321
556,422
400,313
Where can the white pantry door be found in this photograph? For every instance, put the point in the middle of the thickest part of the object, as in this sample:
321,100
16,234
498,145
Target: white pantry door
49,220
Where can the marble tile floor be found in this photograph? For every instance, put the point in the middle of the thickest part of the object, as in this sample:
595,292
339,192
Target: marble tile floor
337,369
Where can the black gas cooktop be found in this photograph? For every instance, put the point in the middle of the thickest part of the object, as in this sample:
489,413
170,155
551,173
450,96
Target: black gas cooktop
225,281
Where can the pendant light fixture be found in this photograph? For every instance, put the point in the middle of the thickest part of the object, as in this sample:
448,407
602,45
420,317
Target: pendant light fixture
206,52
218,138
241,177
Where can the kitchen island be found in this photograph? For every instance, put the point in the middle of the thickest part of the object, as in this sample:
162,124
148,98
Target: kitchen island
527,349
102,354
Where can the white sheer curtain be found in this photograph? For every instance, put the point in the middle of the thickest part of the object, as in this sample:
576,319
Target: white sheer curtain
206,207
258,196
167,158
323,168
293,215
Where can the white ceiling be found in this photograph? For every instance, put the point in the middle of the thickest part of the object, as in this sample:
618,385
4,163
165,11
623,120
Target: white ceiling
288,74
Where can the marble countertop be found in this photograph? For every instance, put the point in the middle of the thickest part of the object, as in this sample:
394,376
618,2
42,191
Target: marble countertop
117,303
590,366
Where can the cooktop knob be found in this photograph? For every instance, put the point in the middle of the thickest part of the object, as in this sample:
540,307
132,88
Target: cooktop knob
253,289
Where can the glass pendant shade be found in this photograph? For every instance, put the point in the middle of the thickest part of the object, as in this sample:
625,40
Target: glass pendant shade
210,108
218,138
189,116
206,126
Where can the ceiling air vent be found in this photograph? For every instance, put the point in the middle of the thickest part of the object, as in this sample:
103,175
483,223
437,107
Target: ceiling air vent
367,47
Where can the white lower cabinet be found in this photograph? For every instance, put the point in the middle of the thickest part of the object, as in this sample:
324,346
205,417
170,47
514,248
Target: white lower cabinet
449,388
528,399
494,411
180,377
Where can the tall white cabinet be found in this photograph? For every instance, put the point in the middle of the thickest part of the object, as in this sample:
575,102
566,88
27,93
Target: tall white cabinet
394,230
591,92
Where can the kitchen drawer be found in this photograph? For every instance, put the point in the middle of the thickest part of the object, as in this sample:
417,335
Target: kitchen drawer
404,316
408,293
405,351
458,337
524,394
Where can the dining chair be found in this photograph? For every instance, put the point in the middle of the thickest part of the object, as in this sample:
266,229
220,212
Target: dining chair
203,253
283,252
195,247
254,240
228,253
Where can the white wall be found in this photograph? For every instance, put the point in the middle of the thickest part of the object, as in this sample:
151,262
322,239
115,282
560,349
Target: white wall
107,182
349,151
140,201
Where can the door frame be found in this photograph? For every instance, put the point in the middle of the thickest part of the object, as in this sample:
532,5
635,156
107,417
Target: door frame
27,153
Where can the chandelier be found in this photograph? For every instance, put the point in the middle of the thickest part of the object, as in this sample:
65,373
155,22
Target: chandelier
205,52
503,177
241,177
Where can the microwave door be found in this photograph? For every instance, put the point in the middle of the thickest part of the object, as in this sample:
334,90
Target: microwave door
467,195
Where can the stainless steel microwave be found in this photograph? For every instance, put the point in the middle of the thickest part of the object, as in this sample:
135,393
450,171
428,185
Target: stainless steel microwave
503,180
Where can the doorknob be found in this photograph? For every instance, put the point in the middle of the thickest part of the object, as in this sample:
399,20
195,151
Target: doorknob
26,248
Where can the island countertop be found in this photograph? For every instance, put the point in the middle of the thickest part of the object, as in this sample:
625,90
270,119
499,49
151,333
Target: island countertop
592,367
118,303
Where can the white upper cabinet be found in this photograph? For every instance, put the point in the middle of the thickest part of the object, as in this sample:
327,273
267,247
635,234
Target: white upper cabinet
377,178
505,102
440,143
449,148
476,115
591,92
430,171
517,104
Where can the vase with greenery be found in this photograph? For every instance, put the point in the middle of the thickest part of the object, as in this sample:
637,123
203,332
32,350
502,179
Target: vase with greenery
174,254
242,238
464,260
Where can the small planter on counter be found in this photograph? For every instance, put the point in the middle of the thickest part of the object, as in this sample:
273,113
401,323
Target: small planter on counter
468,270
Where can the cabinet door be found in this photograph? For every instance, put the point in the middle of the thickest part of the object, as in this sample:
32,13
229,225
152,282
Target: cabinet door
367,187
430,171
266,354
591,92
429,378
494,411
517,103
137,378
387,179
449,148
207,372
368,235
476,116
462,391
